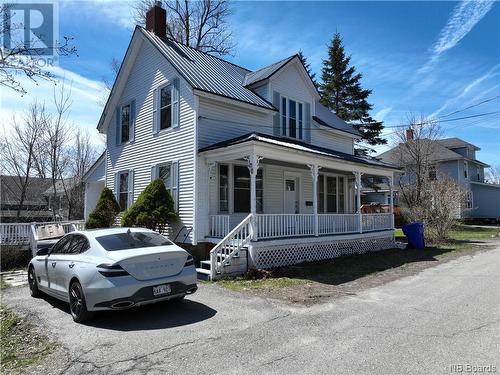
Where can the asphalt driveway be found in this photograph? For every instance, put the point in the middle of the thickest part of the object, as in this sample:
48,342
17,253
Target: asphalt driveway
446,315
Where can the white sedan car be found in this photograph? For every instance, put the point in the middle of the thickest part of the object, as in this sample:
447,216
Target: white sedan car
112,269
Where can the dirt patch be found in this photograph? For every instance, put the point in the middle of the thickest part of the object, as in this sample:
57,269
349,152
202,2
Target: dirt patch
348,275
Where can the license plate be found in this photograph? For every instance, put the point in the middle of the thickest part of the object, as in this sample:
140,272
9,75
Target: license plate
161,290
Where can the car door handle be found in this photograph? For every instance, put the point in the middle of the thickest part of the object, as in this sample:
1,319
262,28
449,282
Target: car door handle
71,265
54,264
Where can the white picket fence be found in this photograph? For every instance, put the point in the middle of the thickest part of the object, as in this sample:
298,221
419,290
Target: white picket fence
19,233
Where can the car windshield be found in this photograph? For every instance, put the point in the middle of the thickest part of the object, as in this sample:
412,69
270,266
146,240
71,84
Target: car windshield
132,240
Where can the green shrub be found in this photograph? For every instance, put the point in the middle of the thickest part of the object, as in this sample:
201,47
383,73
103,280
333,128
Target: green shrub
154,208
105,211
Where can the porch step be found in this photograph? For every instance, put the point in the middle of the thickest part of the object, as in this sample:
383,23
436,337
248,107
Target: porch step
203,274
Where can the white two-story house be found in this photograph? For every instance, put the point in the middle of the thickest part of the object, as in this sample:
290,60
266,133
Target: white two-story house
260,172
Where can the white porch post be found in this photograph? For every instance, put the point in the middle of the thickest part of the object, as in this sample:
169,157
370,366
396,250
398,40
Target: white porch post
358,200
314,176
211,176
391,192
253,166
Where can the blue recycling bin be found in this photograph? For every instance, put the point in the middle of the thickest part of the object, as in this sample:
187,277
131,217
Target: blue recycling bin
414,232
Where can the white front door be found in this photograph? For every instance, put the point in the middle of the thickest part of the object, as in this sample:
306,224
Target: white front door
291,195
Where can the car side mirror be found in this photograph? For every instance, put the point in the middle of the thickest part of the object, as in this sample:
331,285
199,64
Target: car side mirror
43,251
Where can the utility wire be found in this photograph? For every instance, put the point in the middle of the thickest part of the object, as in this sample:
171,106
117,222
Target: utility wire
471,106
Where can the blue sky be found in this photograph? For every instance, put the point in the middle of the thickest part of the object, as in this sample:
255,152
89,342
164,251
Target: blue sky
430,58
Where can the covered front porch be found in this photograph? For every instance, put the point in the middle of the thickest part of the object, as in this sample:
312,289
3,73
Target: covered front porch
264,193
288,194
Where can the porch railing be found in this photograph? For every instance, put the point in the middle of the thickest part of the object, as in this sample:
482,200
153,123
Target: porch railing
219,225
284,225
371,222
19,233
338,223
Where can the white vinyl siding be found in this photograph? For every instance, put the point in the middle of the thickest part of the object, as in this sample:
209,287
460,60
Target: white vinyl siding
325,138
151,71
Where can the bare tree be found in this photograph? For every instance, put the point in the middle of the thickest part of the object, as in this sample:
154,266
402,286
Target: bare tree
58,135
426,195
493,174
199,24
18,150
23,57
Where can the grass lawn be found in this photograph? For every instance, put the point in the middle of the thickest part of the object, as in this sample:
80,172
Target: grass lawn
20,344
348,268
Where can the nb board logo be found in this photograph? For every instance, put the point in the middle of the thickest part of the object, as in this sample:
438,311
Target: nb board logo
30,28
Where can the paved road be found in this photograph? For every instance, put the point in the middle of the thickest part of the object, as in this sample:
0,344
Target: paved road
447,315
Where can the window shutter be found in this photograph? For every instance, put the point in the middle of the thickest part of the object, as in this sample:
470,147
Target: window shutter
175,102
130,187
117,121
307,122
175,184
155,111
154,172
132,121
276,118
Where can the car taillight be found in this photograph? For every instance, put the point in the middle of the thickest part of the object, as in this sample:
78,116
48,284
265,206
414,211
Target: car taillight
189,261
111,270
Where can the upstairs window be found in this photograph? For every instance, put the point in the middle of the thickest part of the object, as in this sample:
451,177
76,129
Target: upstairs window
125,123
166,107
466,170
292,118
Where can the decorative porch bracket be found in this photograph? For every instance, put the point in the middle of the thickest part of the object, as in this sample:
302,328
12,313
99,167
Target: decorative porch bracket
253,166
314,175
358,200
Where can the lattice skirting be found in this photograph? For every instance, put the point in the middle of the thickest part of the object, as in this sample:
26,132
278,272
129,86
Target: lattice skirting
287,254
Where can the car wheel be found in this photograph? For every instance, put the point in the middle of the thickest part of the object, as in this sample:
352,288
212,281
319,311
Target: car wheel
33,284
77,304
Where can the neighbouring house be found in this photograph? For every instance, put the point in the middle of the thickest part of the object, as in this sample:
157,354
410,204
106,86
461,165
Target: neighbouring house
39,202
260,172
455,158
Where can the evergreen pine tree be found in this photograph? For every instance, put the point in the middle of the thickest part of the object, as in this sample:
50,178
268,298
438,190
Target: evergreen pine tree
105,211
341,91
303,59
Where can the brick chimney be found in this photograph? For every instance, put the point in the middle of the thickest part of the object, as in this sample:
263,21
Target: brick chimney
409,134
156,19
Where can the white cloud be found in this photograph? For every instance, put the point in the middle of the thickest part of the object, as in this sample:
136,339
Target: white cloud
380,115
86,99
474,87
463,19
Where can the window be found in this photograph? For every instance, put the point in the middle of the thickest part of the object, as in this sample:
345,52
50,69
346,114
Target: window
123,190
466,170
432,172
125,123
61,247
166,107
331,194
478,171
79,244
292,118
242,189
468,200
168,174
131,240
223,188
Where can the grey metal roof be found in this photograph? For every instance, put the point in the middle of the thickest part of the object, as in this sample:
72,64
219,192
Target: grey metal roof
206,72
265,72
298,145
455,143
327,118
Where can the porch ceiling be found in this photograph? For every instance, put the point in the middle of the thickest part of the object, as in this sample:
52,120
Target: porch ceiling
296,152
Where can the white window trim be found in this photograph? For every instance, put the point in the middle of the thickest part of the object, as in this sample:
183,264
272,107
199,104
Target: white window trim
129,103
174,179
287,117
346,186
130,186
158,105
